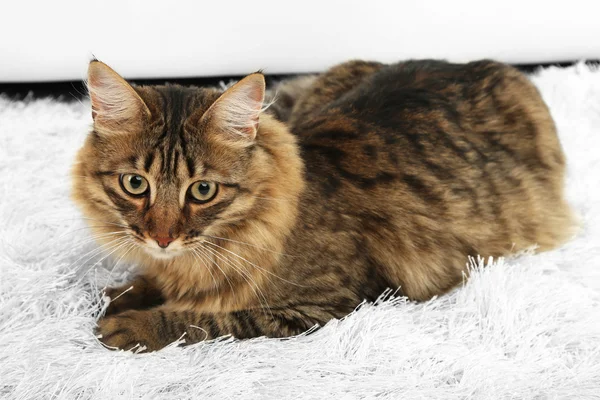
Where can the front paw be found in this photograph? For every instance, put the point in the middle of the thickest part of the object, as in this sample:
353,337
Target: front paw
140,294
120,300
129,329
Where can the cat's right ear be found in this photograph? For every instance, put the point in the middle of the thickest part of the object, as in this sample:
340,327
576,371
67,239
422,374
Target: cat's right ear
116,106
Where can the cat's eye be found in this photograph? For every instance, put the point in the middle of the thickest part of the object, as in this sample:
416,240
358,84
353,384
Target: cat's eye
134,185
203,192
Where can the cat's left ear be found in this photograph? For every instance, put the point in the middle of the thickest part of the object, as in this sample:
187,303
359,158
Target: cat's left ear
236,112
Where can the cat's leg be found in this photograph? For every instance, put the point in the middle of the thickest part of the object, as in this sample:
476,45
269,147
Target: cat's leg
158,327
139,294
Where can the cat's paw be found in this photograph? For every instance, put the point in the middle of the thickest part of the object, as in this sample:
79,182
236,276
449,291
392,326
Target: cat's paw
137,295
120,300
129,329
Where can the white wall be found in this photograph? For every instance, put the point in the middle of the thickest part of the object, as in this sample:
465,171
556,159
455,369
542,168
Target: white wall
53,40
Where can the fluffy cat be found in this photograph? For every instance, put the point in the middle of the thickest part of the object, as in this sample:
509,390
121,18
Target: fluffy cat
383,176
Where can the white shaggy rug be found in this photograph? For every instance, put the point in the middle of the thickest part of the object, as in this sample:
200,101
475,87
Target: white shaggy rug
527,328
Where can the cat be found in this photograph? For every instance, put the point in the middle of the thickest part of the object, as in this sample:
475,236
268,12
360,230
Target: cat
250,223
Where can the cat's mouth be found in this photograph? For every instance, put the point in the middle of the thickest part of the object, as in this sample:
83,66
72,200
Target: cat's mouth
164,253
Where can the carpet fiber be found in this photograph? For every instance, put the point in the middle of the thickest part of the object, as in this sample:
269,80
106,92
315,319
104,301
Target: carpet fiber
524,328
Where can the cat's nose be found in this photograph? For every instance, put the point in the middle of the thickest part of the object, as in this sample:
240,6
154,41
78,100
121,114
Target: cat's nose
163,242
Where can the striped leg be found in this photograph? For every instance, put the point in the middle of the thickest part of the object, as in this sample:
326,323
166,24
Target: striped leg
157,327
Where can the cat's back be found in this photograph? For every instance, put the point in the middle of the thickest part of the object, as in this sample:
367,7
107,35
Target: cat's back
421,117
434,158
430,124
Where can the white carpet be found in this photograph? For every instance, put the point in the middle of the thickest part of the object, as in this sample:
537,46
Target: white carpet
523,329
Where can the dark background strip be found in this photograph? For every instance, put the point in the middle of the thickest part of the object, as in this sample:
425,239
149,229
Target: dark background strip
75,90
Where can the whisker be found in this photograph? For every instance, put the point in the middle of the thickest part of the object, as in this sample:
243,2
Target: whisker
247,277
61,219
227,262
127,250
198,256
109,246
53,239
220,269
114,249
256,266
85,228
247,244
238,256
100,236
105,222
95,252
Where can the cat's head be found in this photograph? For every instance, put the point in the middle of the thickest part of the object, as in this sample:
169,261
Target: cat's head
167,167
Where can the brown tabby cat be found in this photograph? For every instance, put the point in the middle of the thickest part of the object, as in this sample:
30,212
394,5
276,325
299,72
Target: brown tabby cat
384,176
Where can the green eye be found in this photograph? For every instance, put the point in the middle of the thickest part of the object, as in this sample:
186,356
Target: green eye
203,192
133,184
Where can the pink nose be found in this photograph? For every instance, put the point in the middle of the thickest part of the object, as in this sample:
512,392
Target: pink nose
163,241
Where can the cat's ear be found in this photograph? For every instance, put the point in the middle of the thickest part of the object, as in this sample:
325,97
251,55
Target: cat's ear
236,112
115,104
